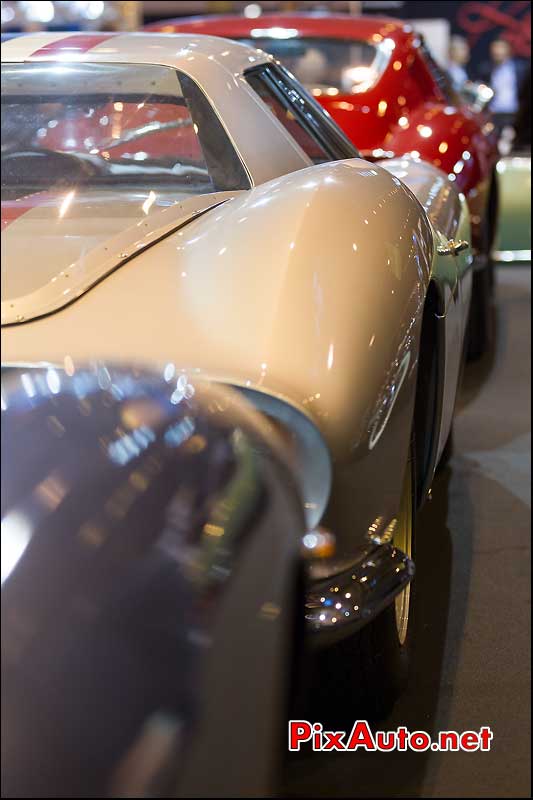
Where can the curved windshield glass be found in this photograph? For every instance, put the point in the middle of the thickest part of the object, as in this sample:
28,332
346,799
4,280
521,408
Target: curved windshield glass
111,125
326,66
98,160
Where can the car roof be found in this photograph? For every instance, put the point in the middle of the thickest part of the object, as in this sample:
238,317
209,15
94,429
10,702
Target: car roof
341,26
173,50
265,147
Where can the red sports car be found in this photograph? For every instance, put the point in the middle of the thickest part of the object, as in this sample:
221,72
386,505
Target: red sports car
379,82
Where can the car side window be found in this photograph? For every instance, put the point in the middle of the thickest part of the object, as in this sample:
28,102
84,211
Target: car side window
441,78
305,120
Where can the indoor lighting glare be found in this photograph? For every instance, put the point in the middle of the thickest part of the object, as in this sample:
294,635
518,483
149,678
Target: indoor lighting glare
148,203
252,11
94,9
53,381
67,200
274,33
16,535
425,131
361,78
39,11
7,14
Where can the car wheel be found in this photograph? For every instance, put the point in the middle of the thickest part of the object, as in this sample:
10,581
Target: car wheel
483,287
480,317
361,677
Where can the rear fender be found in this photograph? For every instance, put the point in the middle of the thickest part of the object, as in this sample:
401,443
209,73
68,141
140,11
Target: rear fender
311,288
448,211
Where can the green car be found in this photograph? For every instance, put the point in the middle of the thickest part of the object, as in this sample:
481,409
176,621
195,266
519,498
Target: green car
513,236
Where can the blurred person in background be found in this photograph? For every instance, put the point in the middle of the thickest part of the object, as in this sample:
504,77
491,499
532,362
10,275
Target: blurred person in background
459,56
504,74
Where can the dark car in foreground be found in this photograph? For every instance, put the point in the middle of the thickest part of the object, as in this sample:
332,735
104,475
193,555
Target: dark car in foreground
150,566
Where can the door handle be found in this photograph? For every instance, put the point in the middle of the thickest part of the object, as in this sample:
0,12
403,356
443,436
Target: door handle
451,248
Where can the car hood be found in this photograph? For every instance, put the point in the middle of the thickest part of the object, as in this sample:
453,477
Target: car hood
82,236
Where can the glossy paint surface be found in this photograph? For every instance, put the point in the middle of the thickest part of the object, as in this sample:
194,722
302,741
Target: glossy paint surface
452,273
323,298
106,228
147,588
351,312
405,110
251,293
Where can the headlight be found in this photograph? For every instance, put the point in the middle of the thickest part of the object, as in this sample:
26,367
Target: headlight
307,450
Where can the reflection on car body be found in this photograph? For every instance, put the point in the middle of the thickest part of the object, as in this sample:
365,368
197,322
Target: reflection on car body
331,292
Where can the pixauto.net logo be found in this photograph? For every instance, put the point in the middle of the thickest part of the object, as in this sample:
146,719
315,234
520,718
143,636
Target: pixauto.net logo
361,737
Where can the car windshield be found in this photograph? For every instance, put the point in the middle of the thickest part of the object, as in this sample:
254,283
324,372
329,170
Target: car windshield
326,66
97,159
111,125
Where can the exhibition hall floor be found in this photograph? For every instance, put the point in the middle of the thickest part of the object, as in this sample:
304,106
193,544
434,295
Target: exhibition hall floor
472,663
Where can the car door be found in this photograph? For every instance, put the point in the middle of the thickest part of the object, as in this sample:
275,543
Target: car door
452,268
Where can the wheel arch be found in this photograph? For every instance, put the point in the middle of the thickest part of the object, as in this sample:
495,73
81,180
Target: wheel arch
429,390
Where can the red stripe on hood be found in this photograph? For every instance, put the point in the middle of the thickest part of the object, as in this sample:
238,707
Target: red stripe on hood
73,45
13,209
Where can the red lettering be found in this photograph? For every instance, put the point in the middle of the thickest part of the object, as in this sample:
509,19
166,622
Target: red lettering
449,740
485,734
402,734
334,740
419,741
385,740
361,736
299,731
469,741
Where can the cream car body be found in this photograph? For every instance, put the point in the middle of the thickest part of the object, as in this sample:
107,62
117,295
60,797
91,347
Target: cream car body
310,291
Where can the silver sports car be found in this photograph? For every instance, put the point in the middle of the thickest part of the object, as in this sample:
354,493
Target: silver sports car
180,202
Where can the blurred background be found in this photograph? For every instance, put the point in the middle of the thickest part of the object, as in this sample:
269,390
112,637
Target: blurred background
472,664
474,41
459,33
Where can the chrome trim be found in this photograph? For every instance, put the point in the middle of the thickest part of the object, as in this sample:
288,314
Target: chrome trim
510,256
338,606
313,471
451,248
379,423
513,161
98,263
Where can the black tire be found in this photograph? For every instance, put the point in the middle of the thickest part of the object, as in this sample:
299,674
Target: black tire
480,318
362,676
483,286
492,276
447,452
